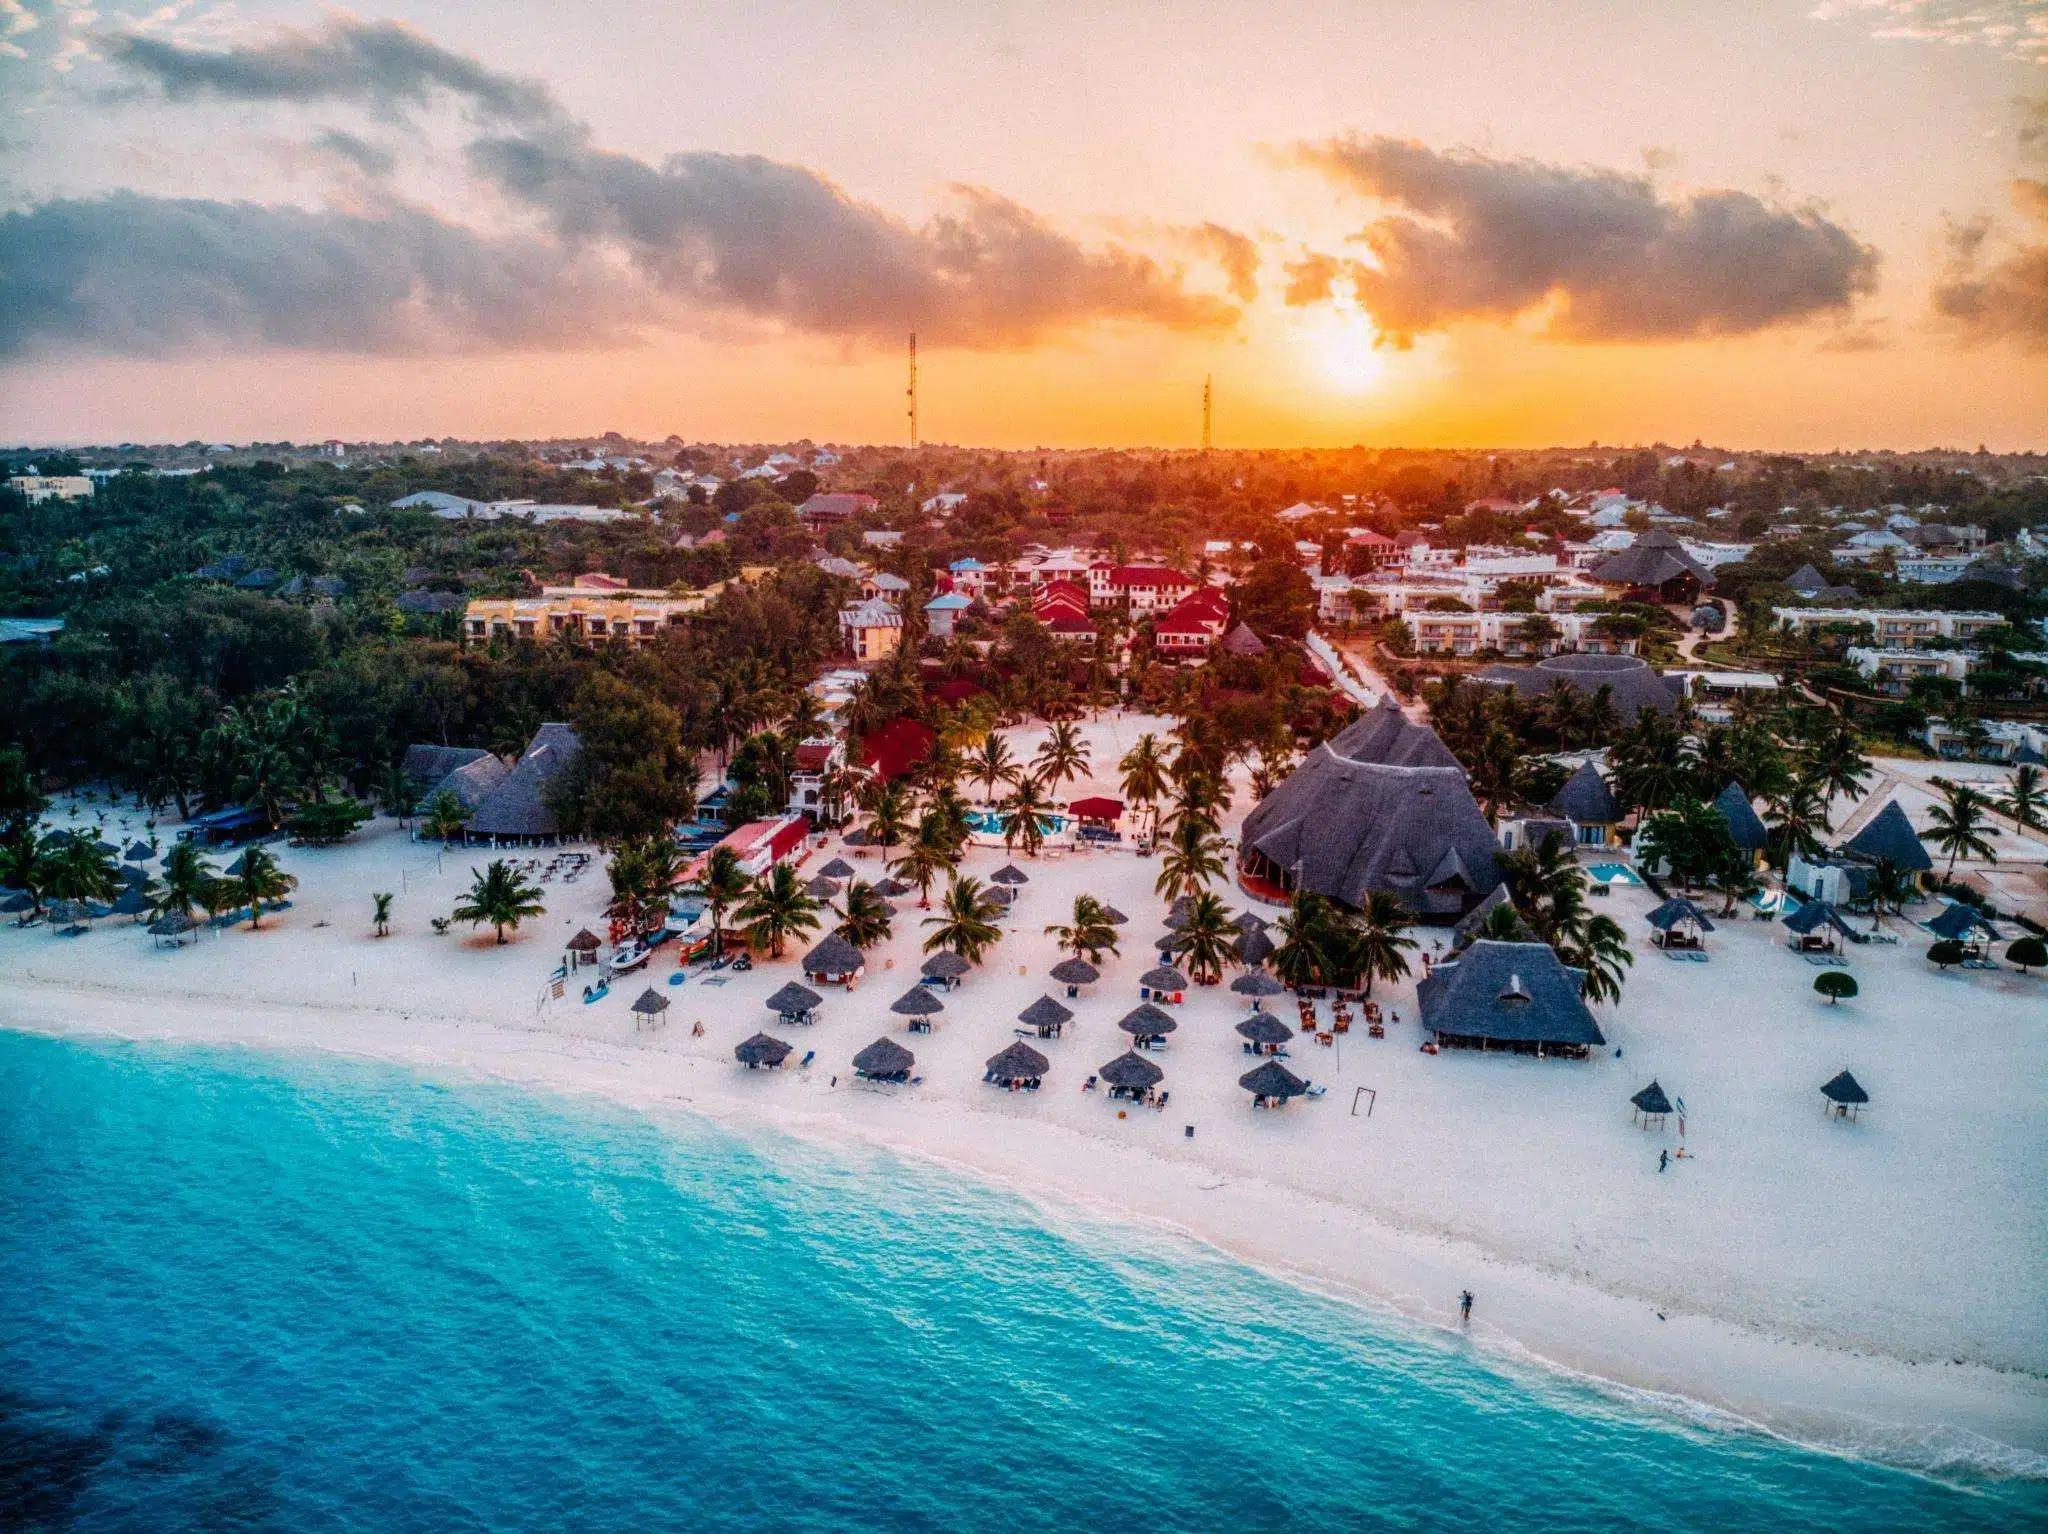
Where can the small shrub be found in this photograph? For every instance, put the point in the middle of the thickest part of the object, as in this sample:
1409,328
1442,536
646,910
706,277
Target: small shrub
2028,953
1836,985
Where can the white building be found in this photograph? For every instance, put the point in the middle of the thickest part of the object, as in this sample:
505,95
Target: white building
1894,629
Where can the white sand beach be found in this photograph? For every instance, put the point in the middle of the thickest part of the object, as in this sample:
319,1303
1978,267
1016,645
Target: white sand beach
1872,1285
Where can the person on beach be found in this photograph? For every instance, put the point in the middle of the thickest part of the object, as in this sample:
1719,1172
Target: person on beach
1465,1307
1663,1161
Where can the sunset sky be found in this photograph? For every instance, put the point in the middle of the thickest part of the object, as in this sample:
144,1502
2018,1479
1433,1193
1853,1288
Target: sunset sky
1759,223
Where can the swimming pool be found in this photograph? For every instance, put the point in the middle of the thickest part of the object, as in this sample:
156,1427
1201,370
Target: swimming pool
991,823
1612,873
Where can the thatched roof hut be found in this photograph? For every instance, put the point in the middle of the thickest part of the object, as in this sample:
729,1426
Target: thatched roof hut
1845,1092
16,903
1958,921
1256,984
794,1003
821,888
834,962
1164,979
1891,836
1585,799
918,1001
884,1060
1272,1083
1680,923
1047,1016
1010,873
651,1004
1743,822
1517,996
838,868
130,902
893,887
1019,1065
1075,972
585,941
1254,948
172,926
1651,1103
761,1050
1146,1022
1250,921
1265,1030
1130,1075
945,965
518,807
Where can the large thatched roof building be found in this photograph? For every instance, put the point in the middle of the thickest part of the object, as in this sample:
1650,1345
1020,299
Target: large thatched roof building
1517,996
517,809
1632,683
1657,568
1382,805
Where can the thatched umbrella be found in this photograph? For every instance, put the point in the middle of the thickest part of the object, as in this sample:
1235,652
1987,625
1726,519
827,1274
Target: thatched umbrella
130,902
794,1003
998,897
67,911
1256,984
1177,914
945,965
1250,921
585,942
1146,1022
893,887
18,902
1272,1082
1075,973
1265,1030
1651,1103
138,852
834,960
1163,980
1046,1015
174,925
1019,1064
1113,916
650,1006
103,845
838,868
821,888
762,1049
1845,1095
1009,873
1130,1075
1254,948
1167,944
884,1060
916,1002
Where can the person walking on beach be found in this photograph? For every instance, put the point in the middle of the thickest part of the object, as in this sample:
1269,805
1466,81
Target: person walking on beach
1465,1307
1663,1160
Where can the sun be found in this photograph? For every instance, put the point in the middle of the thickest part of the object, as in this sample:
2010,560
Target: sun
1345,345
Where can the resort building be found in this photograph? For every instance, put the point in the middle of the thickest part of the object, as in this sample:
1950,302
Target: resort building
760,844
1744,825
1628,681
517,810
1893,670
1382,805
581,615
1588,805
813,762
1511,996
942,611
470,773
872,631
38,488
1467,633
1139,588
1893,629
1655,568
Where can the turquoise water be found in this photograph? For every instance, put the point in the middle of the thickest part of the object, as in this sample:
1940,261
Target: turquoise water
251,1291
995,823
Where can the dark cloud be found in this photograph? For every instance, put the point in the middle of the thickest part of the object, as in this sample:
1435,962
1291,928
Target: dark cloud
1311,279
1983,299
153,276
1483,238
356,151
782,244
382,63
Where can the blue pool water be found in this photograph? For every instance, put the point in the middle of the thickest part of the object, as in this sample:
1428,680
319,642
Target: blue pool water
994,823
246,1291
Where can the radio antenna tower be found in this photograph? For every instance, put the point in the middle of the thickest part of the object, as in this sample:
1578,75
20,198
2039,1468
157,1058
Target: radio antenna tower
911,392
1207,403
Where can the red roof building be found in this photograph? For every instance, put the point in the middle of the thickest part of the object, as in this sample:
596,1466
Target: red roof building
897,746
1141,588
1102,812
760,844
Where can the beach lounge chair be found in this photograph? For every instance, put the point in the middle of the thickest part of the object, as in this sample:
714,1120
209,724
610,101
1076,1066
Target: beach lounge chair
809,1056
1088,1085
1315,1091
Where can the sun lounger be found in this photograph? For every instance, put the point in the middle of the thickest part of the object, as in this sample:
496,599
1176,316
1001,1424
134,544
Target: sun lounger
809,1056
1315,1091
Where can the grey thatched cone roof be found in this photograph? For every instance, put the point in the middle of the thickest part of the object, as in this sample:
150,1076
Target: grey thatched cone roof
1256,984
20,901
130,902
884,1058
1164,978
1469,925
1076,972
1010,873
1676,910
1513,992
946,965
894,886
1250,921
1814,915
1749,831
1958,920
1132,1072
833,956
1272,1079
1846,1090
1146,1022
918,1001
1167,944
1651,1100
651,1003
1891,836
1586,799
1265,1028
821,888
585,941
838,868
138,852
761,1049
1045,1013
1177,914
68,910
1113,916
518,806
1019,1062
1632,683
793,1000
1651,560
1254,948
1242,641
998,896
172,924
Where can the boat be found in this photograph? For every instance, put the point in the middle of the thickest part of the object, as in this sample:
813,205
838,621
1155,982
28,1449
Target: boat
595,993
628,957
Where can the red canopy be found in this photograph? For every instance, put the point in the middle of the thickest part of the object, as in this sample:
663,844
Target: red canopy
1097,809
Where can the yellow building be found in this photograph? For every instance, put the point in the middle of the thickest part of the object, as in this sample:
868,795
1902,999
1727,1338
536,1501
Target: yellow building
584,616
51,487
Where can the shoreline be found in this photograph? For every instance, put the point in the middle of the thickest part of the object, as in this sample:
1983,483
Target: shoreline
1931,1417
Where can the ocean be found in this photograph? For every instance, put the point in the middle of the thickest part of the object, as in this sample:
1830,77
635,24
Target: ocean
242,1290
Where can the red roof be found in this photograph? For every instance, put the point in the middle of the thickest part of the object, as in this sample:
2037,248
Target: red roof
812,756
959,690
1207,602
1097,809
897,746
1365,537
1064,620
1148,575
1063,590
1178,622
1060,607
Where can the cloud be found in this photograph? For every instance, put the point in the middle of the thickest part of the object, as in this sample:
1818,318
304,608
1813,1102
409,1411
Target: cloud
356,152
2004,299
1311,279
1485,238
150,276
381,63
1237,254
16,18
782,244
2015,28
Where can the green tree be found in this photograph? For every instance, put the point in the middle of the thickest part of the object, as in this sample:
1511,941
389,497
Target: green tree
776,909
1062,756
499,896
1090,934
2025,796
381,914
186,881
1946,952
2027,953
863,916
1205,937
1025,810
1194,856
445,816
1691,839
962,925
1835,984
925,857
722,885
1598,946
1309,933
1957,825
1276,597
1144,772
326,822
1378,947
1797,819
262,880
993,763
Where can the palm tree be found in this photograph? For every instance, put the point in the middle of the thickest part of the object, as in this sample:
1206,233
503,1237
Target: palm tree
1377,945
499,896
1504,924
260,880
1797,817
888,810
1205,937
396,790
1836,763
445,816
80,869
925,857
1090,934
2024,795
1546,882
1144,770
1890,887
777,908
1194,856
381,913
187,879
993,764
1026,808
1496,771
721,885
962,925
1063,756
863,916
1598,946
1957,825
1307,933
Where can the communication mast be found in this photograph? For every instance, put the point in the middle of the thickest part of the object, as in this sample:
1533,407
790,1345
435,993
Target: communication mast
911,392
1206,404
